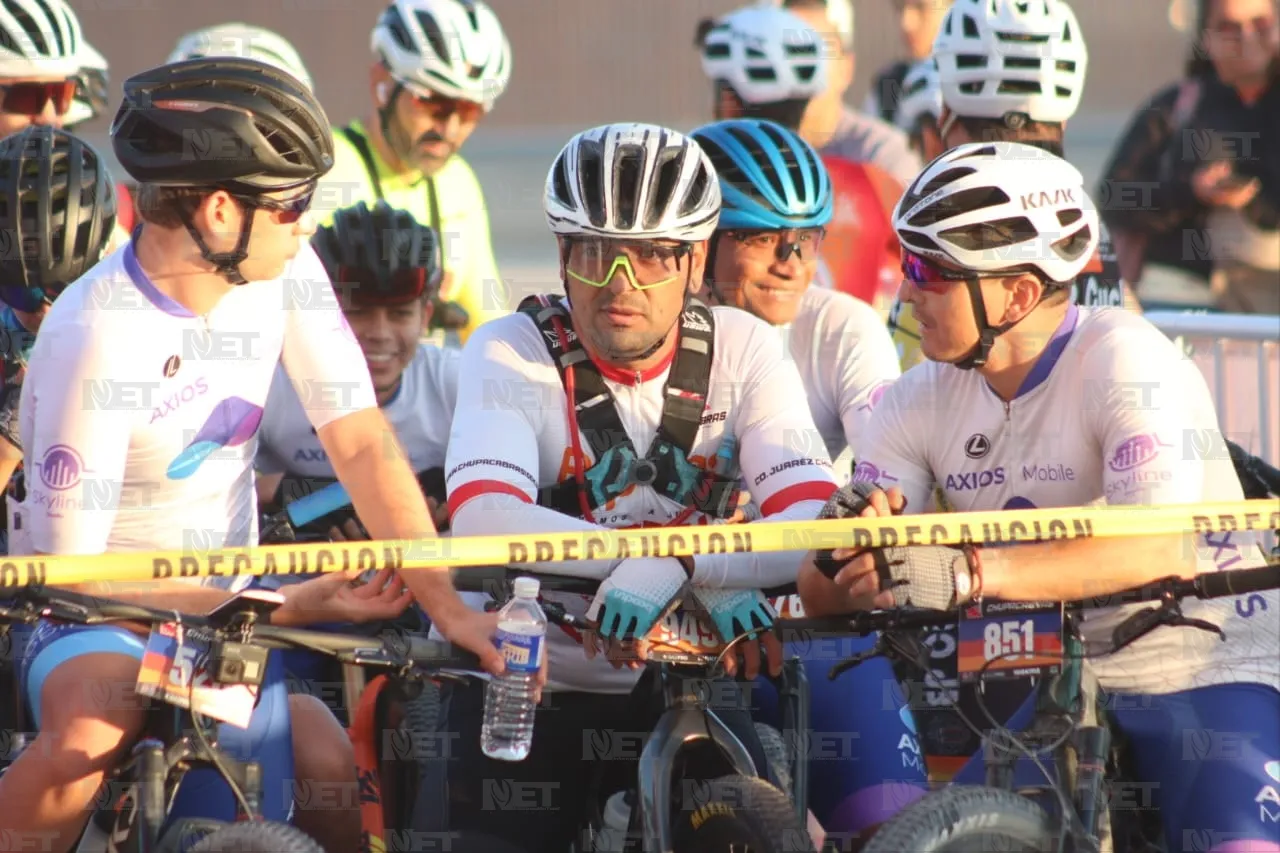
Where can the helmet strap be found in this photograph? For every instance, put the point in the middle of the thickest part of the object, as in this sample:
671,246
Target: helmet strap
226,264
987,333
391,132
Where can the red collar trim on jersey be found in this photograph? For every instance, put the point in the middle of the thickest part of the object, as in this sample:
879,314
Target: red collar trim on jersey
633,377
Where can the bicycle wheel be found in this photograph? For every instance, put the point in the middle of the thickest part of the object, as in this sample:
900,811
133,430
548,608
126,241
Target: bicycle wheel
741,814
968,819
775,749
257,838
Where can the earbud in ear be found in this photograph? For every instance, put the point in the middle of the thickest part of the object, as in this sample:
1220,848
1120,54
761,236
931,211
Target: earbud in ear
382,93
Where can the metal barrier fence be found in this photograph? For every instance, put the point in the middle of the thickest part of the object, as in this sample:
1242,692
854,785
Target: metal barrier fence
1239,355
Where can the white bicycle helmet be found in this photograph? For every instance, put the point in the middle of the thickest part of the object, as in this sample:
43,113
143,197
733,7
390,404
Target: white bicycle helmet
636,181
993,207
92,88
245,41
839,13
765,54
997,57
921,95
38,38
454,48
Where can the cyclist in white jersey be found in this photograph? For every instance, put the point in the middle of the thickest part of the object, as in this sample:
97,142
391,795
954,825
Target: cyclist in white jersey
776,202
60,215
1013,72
385,269
1044,393
140,408
632,207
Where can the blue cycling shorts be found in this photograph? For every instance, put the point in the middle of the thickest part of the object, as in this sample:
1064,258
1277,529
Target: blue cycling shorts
865,760
1208,759
268,740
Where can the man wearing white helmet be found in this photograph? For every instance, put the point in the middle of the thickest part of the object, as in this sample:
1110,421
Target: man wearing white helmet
246,41
919,107
439,67
673,402
39,61
994,234
792,66
1013,71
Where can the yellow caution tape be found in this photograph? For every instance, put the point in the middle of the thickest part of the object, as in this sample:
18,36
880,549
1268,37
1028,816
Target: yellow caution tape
980,528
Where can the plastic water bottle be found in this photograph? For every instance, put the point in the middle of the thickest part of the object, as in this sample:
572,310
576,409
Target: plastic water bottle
615,821
507,733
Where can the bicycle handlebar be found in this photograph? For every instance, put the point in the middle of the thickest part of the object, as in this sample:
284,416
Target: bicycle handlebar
1203,586
390,651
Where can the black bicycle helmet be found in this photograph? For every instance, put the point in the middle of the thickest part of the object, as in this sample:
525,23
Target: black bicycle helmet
231,123
239,124
379,255
57,210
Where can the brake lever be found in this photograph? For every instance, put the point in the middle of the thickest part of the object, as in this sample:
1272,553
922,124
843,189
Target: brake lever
879,649
1168,612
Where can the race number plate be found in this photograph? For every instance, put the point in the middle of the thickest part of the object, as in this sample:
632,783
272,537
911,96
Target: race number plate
685,635
176,673
1009,639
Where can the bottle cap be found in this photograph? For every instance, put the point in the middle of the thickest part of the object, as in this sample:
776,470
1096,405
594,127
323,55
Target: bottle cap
526,587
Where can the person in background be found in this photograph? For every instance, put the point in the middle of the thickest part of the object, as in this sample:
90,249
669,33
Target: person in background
38,63
918,22
795,74
439,67
1205,152
60,210
247,41
920,107
385,268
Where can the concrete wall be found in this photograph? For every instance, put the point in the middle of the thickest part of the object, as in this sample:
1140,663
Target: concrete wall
584,62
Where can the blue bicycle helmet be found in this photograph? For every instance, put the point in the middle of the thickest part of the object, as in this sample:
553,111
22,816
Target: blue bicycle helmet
770,178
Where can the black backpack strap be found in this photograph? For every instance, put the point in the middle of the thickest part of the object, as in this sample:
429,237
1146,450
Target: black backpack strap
666,466
361,145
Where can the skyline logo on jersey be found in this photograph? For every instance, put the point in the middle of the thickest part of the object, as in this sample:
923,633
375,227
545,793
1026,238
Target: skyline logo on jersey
876,395
1136,451
61,468
232,422
867,472
971,481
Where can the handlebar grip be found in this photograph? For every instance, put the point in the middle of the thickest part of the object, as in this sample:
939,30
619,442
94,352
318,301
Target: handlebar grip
318,504
1239,582
441,654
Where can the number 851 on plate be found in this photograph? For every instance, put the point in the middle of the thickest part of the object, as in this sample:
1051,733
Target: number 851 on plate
1009,639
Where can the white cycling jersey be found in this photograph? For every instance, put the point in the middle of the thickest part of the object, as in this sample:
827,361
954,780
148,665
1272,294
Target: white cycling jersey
1113,413
420,413
846,360
511,436
140,418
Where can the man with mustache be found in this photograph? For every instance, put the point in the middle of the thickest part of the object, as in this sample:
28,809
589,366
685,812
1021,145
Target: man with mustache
669,404
439,67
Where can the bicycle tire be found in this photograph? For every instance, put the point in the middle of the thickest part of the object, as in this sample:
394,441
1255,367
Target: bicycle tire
740,813
268,837
779,757
967,819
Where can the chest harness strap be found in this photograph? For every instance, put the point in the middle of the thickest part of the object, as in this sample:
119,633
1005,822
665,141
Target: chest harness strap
618,466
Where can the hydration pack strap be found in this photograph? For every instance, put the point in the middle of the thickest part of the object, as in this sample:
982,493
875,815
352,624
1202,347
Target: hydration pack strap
618,466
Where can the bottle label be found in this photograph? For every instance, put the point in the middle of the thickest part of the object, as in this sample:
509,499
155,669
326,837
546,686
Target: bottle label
522,652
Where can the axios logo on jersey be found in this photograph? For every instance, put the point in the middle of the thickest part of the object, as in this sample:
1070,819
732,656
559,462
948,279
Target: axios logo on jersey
973,480
175,400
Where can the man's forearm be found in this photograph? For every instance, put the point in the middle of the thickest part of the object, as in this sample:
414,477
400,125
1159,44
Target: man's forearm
386,496
1073,569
